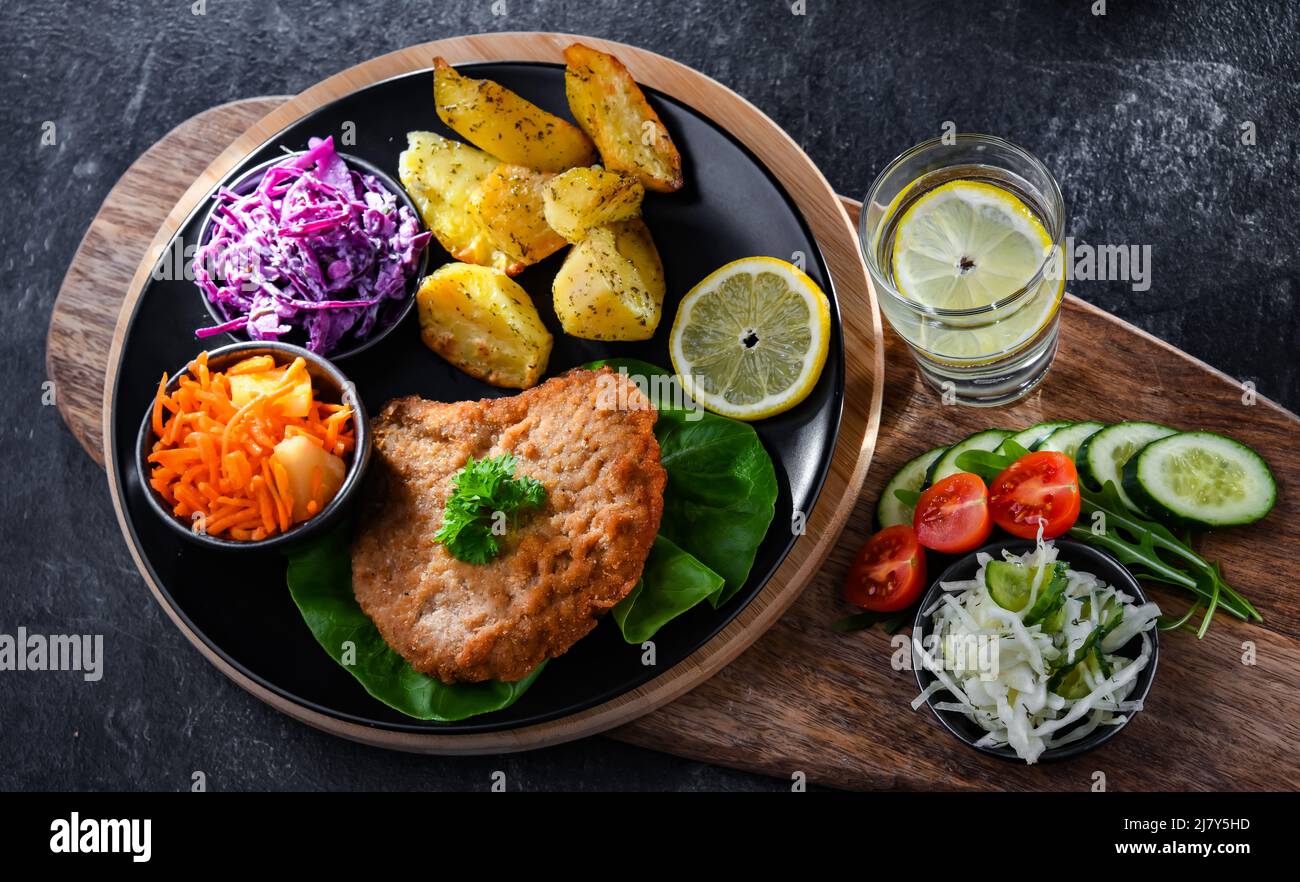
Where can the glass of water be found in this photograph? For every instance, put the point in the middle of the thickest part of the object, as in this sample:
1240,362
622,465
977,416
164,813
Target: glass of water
962,237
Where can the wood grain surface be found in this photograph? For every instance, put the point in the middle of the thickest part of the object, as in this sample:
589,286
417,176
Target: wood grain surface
864,367
806,699
76,350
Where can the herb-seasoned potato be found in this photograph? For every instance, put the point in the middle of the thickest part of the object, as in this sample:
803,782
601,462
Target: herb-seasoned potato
582,198
611,108
508,204
611,286
515,131
481,321
442,177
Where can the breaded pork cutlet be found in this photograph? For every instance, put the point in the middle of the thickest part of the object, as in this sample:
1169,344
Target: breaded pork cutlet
587,436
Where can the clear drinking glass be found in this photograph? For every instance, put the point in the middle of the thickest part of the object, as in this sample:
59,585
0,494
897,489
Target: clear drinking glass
986,355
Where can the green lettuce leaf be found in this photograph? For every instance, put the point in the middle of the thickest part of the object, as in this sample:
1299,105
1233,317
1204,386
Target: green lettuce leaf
721,493
320,582
672,582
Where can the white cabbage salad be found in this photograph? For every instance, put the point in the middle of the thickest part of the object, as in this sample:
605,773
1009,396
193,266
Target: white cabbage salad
1044,637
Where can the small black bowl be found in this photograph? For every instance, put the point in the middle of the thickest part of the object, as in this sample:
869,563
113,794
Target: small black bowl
393,314
1081,557
330,385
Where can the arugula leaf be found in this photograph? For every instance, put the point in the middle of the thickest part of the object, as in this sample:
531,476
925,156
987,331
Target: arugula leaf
480,490
1013,450
1140,543
907,497
1165,623
989,464
320,582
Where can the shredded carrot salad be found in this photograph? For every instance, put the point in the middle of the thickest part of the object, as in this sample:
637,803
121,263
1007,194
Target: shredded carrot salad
226,460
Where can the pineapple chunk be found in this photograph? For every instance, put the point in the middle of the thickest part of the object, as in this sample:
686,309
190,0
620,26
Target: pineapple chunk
303,460
245,387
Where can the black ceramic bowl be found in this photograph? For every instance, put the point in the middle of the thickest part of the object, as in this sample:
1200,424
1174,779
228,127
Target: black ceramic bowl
1081,557
391,314
330,385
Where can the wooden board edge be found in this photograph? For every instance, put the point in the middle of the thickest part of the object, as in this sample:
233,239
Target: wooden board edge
62,299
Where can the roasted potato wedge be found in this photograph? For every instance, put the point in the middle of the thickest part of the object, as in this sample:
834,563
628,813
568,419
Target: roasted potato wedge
582,198
515,131
481,321
509,205
443,177
611,286
611,108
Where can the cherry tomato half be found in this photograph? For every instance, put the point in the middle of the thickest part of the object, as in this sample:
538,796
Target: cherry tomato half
1042,487
953,515
889,572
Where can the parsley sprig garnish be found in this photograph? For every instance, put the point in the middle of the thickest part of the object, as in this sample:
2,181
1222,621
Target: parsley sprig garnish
480,490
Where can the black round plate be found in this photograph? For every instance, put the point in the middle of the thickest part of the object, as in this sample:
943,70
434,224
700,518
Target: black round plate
731,207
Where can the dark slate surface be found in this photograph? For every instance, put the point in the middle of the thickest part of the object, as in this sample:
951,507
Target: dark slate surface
1139,113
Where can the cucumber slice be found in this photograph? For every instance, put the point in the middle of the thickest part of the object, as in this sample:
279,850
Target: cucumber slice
946,465
1033,436
1201,479
1108,611
1056,621
1067,676
1010,585
1051,599
1068,439
1072,685
1102,457
891,510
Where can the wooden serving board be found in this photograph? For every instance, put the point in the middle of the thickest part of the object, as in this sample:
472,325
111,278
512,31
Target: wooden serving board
806,699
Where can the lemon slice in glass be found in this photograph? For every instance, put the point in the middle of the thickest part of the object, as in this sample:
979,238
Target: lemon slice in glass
995,339
750,340
967,244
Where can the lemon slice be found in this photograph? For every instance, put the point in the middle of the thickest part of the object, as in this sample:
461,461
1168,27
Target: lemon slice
750,339
967,244
996,339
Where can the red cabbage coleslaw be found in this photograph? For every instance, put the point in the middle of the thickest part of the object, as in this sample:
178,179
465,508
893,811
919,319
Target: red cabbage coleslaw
1045,639
315,248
